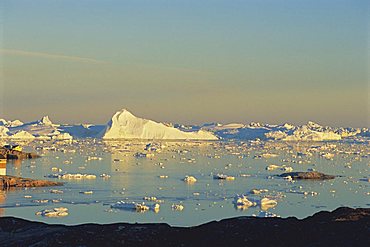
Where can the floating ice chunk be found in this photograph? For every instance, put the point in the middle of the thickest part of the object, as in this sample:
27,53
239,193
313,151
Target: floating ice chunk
56,191
243,202
56,212
177,207
287,168
41,201
257,192
268,155
267,203
89,192
72,176
189,179
138,207
62,136
144,155
104,175
272,167
223,177
152,199
156,207
56,169
264,214
288,178
328,156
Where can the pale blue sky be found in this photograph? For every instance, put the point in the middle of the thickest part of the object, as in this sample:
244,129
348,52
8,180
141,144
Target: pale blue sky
186,61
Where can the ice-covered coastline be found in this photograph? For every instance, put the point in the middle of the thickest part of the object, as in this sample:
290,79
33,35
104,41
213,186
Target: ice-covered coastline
125,125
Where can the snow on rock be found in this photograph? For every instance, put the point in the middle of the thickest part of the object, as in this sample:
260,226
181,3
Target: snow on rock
124,125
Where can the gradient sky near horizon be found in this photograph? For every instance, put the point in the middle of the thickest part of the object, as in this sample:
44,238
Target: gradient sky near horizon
186,61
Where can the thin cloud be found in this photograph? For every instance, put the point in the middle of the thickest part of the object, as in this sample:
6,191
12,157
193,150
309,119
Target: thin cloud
49,55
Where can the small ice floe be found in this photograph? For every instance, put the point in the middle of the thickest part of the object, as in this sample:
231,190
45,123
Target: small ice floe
156,207
56,169
272,167
89,192
55,212
223,177
242,202
144,155
93,158
287,168
288,178
138,207
189,179
104,175
269,155
41,201
152,199
328,156
72,176
267,203
56,191
258,191
177,207
264,214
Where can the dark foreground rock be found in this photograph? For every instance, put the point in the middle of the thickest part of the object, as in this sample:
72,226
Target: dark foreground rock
307,175
342,227
7,182
14,154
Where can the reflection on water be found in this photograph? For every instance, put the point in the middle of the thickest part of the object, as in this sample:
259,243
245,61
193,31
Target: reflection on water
2,167
2,201
2,193
161,174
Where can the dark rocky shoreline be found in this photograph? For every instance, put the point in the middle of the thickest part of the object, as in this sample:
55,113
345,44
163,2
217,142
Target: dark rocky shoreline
7,182
342,227
15,155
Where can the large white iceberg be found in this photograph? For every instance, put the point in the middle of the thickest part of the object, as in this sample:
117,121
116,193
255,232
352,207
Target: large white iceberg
124,125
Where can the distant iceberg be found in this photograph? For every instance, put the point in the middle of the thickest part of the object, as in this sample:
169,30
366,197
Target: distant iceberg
124,125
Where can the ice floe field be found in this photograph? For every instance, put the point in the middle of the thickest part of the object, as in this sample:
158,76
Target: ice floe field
185,183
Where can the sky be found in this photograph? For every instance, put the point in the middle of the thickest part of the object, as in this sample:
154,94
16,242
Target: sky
186,61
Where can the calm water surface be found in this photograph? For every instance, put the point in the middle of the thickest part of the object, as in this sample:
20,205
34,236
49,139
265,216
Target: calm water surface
208,199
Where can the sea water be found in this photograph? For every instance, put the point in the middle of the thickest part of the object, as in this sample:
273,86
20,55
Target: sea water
137,169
